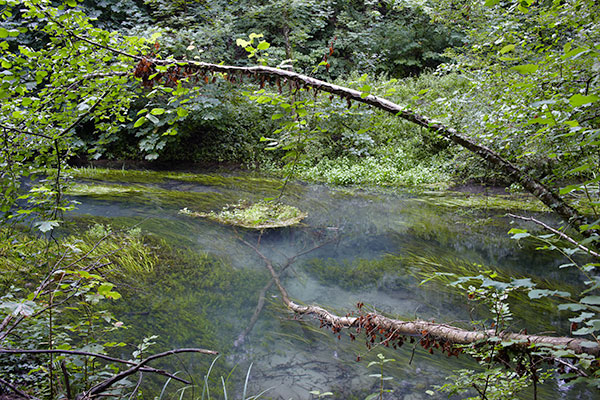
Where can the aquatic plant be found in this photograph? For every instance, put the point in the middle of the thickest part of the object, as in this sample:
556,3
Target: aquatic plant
260,215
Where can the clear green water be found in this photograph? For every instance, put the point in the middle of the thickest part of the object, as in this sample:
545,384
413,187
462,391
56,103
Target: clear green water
381,245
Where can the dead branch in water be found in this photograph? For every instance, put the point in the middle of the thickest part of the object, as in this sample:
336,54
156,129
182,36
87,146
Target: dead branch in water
393,332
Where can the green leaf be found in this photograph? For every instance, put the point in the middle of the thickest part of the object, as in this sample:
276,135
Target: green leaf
525,68
589,344
569,189
507,48
276,116
525,282
491,3
45,226
579,100
105,288
141,121
3,33
539,293
152,119
157,111
71,3
182,112
583,331
263,46
594,300
243,43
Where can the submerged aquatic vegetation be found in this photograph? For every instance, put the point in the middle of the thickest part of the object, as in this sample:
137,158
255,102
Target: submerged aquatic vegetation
260,215
353,274
146,195
117,251
241,181
453,199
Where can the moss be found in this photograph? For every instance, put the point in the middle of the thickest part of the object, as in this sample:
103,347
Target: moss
260,215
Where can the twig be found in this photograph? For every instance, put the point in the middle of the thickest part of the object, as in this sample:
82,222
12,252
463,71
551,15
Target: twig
559,233
84,115
8,128
479,391
17,390
96,355
106,384
63,367
137,387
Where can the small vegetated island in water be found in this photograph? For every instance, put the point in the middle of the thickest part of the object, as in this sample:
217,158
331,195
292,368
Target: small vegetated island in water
260,215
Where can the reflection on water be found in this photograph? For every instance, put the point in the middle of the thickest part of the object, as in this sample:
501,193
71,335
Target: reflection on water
373,242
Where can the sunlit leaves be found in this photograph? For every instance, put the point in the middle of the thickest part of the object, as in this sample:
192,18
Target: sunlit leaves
140,121
507,48
578,100
525,68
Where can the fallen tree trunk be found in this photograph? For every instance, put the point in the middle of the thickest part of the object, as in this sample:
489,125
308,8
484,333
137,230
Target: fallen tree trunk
392,332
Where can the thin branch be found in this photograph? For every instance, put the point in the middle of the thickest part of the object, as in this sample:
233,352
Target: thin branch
96,44
84,115
262,294
96,75
559,233
63,367
17,390
21,131
96,355
479,391
106,384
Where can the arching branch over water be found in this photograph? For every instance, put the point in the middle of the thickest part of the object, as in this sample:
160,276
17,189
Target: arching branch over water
180,69
546,195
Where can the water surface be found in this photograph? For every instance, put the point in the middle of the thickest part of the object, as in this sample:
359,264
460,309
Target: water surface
374,247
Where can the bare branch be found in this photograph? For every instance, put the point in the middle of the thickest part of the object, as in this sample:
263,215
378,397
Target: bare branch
21,131
559,233
106,384
96,355
17,390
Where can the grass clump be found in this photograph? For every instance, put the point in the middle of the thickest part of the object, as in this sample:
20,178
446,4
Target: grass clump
260,215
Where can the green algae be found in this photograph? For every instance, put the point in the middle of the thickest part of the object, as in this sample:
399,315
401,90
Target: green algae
351,274
260,215
243,181
147,195
183,303
121,252
454,200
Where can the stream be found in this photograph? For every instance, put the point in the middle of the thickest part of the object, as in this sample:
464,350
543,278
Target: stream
369,246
